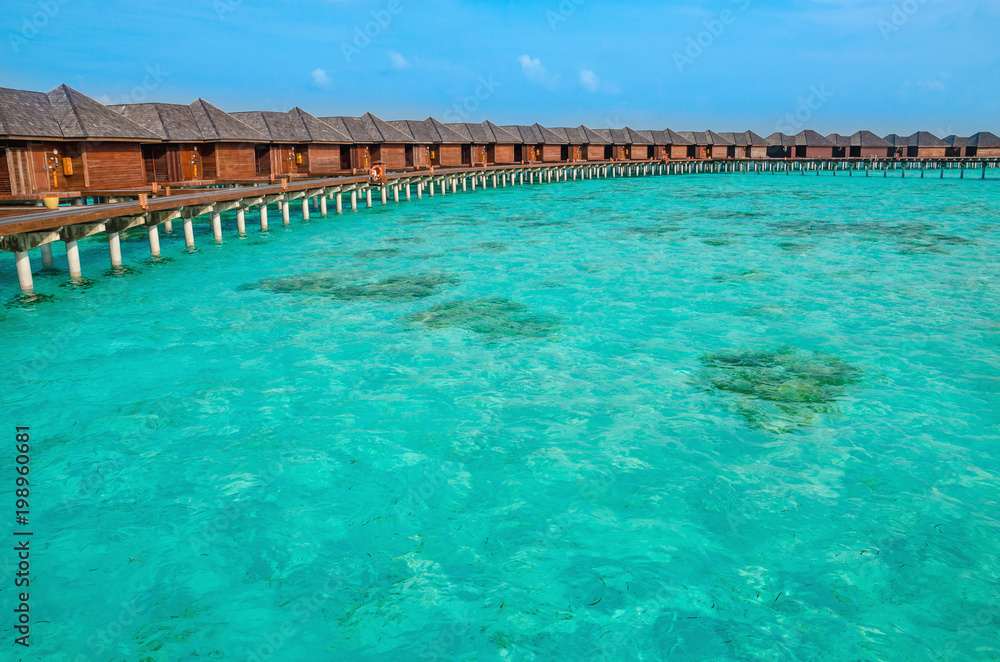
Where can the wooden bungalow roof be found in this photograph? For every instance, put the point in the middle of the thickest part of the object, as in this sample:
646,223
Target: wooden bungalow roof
368,129
957,141
984,139
581,135
169,121
484,133
624,136
528,135
550,137
925,139
277,126
745,139
64,113
897,141
705,138
859,139
429,131
593,137
666,137
218,125
805,138
317,130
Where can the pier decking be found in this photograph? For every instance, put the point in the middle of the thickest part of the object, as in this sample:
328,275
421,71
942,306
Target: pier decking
25,232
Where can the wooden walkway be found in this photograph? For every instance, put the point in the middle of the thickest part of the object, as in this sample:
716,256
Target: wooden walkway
38,229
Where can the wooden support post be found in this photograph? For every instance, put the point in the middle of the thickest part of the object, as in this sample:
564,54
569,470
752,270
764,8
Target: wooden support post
73,258
24,279
217,227
115,249
154,241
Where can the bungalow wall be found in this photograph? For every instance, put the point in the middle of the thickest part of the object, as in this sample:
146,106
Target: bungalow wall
235,161
758,151
393,157
593,152
813,152
984,152
500,154
451,155
926,152
282,160
114,166
677,152
551,153
5,185
324,159
870,152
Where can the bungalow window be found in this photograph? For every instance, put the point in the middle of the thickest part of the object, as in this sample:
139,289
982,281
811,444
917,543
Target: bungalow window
651,152
801,151
912,152
839,152
564,153
691,151
855,152
609,153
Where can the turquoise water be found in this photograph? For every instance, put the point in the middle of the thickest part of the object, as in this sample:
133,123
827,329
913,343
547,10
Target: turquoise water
733,417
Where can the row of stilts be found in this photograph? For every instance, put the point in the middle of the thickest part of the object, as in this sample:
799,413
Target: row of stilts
317,201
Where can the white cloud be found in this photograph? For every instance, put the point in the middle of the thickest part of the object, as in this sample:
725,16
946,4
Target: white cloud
533,69
320,78
589,80
398,61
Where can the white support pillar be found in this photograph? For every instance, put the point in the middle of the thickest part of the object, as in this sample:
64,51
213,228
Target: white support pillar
395,193
241,221
263,218
454,185
407,191
465,183
285,213
217,227
520,178
168,226
46,255
385,195
339,202
444,187
494,181
24,272
473,183
154,241
368,197
73,258
430,187
305,209
322,205
354,199
189,233
115,248
420,190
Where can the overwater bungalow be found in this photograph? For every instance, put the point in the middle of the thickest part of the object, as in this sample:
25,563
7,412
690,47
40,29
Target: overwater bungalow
706,144
982,144
373,140
667,144
63,141
301,145
627,144
925,145
745,145
803,145
531,142
200,143
486,143
593,146
899,145
439,144
861,145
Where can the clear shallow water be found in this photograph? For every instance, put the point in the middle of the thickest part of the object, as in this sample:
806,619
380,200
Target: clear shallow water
737,417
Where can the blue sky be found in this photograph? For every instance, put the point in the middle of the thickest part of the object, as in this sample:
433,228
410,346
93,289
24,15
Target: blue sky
829,65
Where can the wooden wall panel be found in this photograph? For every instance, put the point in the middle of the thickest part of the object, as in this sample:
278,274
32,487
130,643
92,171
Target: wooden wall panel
451,155
234,161
5,187
758,151
324,159
503,154
819,152
114,166
392,156
988,152
931,152
551,153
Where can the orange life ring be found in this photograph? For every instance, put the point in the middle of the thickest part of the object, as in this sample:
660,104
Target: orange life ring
376,173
